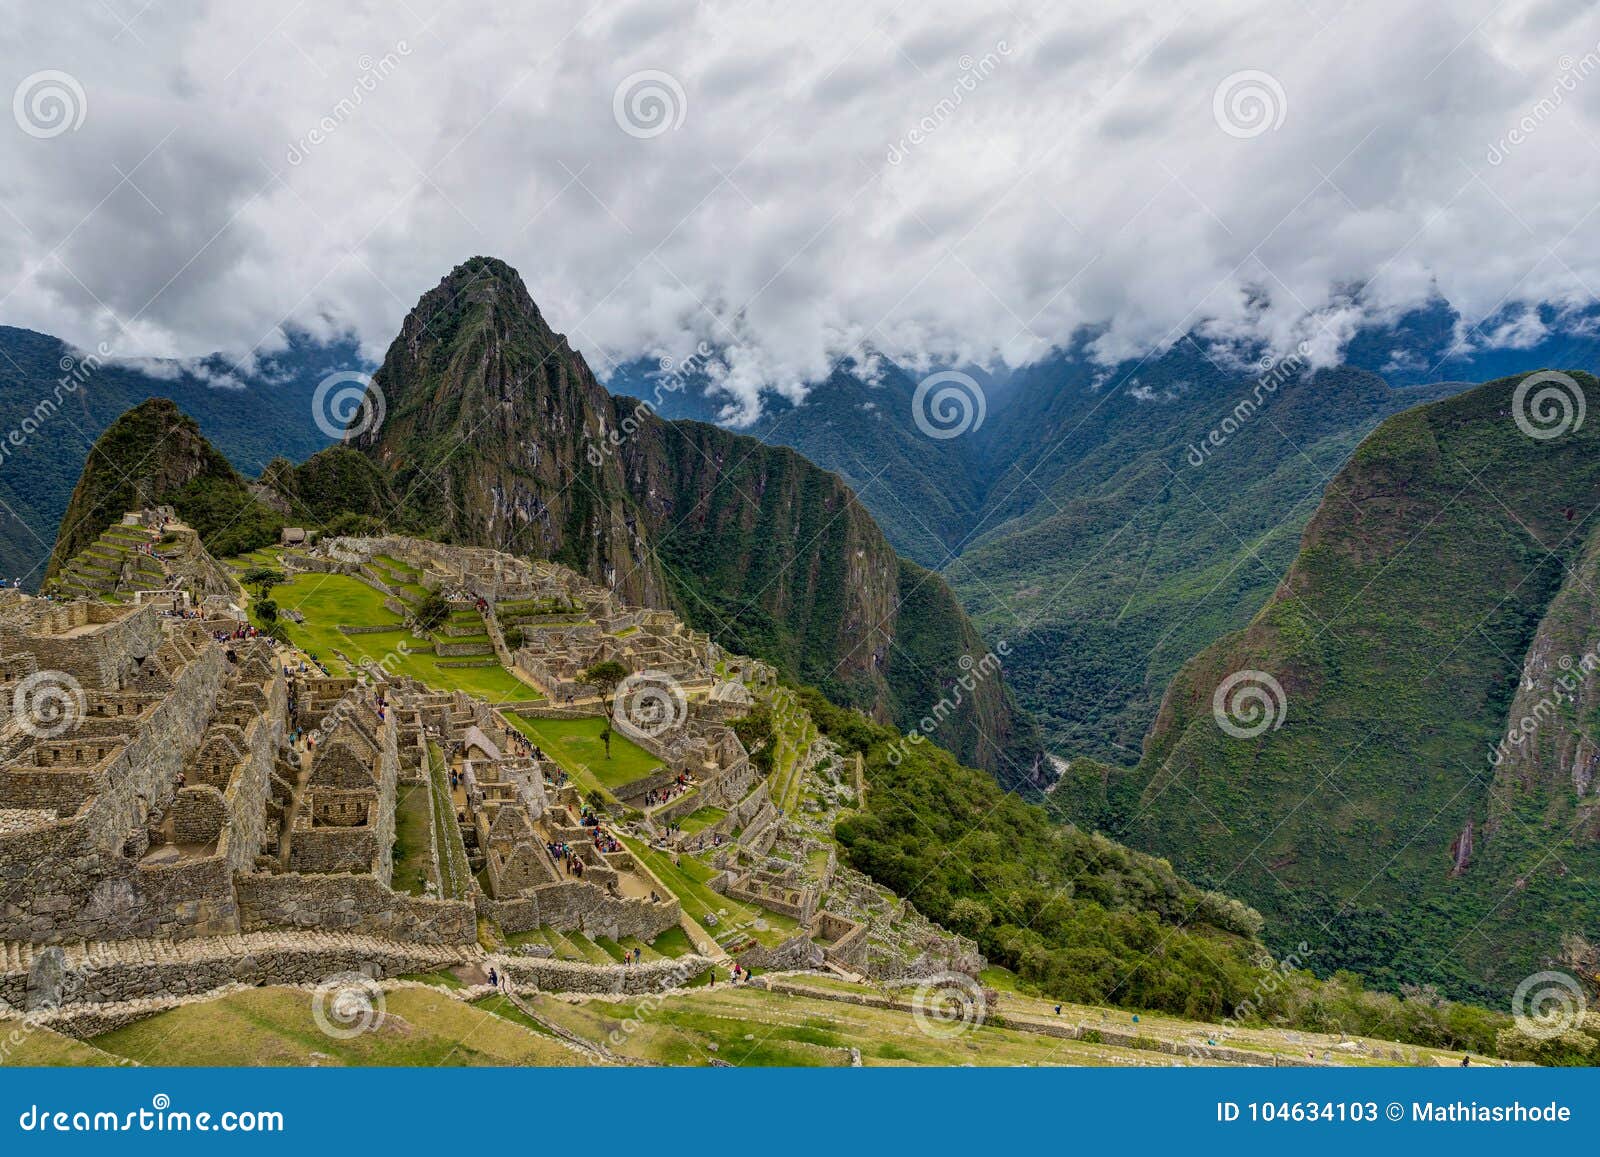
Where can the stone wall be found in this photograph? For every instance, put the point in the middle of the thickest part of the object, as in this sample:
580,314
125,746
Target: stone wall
75,879
625,979
796,952
579,906
198,815
110,972
352,903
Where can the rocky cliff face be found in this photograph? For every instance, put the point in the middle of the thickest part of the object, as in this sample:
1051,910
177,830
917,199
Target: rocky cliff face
1546,759
495,432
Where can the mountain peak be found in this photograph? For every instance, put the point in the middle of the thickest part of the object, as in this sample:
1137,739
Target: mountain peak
149,455
485,282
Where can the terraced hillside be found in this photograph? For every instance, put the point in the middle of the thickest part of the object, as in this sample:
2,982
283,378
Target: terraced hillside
114,566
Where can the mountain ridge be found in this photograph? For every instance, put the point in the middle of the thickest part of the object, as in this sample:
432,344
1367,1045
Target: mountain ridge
1356,800
496,433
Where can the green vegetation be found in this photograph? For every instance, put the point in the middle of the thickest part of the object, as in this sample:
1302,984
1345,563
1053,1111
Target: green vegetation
432,611
328,601
156,454
271,414
1451,547
577,746
453,863
779,560
687,880
1073,523
605,676
1081,918
274,1026
756,732
413,834
35,1046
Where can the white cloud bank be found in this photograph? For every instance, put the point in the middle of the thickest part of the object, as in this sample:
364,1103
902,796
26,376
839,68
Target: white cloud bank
935,180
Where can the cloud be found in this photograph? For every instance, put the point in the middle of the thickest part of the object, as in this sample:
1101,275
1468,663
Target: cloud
940,182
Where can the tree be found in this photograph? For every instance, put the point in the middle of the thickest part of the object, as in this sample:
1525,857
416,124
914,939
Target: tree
263,578
267,611
605,676
435,609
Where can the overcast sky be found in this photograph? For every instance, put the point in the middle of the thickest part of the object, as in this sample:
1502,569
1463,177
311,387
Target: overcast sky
936,180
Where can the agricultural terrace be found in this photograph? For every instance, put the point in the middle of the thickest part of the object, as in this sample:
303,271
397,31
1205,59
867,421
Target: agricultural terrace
328,602
576,745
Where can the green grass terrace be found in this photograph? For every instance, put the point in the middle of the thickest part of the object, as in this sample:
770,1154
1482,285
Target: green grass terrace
576,745
331,601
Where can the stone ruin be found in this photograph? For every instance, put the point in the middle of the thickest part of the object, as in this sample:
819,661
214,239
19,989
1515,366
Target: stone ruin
166,780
